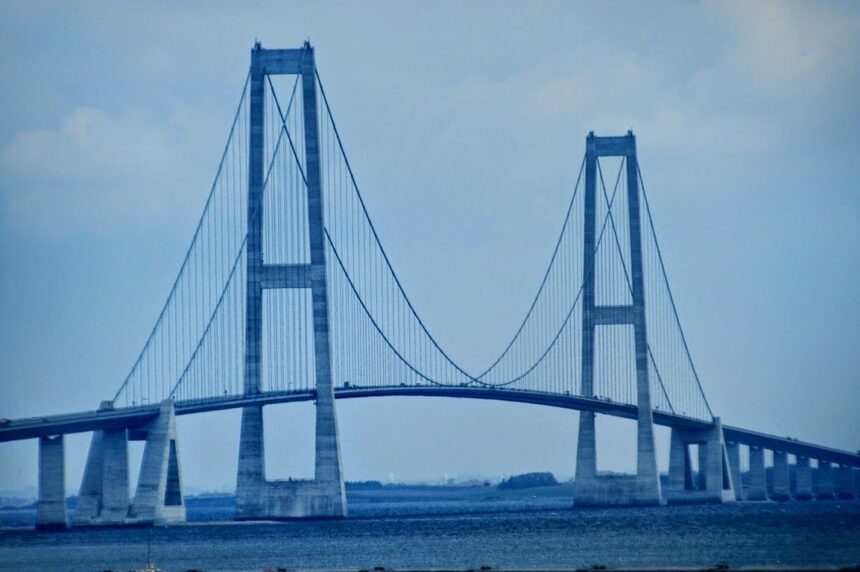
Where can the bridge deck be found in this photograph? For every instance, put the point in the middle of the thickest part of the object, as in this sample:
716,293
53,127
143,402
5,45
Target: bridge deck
35,427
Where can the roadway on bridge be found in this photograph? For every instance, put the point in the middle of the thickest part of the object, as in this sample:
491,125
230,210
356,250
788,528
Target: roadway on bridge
129,417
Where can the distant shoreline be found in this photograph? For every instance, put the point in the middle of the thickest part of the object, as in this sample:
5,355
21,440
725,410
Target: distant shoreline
418,499
363,493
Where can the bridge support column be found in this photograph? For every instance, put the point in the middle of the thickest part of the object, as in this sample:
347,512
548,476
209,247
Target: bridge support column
680,466
733,453
103,496
802,479
159,498
51,509
714,483
781,479
251,482
758,477
824,489
845,482
701,476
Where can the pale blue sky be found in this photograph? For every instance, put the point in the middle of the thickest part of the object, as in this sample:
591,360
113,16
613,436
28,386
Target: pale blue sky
465,124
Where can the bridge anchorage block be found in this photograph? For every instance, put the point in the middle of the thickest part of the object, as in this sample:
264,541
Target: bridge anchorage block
51,508
103,500
714,482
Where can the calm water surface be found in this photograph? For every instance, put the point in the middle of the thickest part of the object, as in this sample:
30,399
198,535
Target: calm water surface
543,533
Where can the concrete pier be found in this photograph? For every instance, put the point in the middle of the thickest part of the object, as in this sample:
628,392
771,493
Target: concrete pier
51,509
802,479
781,479
845,482
733,453
824,489
758,477
103,497
159,498
714,483
702,474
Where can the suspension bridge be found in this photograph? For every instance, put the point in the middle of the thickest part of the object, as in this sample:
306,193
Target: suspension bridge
286,294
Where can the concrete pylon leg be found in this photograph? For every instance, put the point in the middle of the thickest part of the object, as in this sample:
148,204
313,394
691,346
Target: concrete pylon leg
646,489
714,482
845,482
758,480
103,496
115,496
251,480
719,480
733,453
586,447
159,498
330,498
802,479
824,489
702,474
586,459
90,493
680,473
51,512
781,480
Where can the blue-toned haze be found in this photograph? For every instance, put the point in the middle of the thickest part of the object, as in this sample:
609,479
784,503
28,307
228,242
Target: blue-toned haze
465,124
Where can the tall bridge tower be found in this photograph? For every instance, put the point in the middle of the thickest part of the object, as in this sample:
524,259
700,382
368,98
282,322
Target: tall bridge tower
257,497
644,488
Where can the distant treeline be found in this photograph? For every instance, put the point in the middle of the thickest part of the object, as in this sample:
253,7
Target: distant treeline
363,485
528,480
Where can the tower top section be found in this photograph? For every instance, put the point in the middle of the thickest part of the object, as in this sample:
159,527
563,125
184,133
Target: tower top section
282,62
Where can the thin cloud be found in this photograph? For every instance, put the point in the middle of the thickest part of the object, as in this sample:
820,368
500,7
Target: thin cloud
94,172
